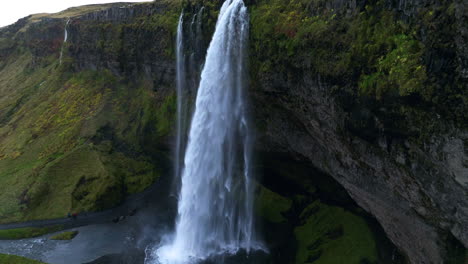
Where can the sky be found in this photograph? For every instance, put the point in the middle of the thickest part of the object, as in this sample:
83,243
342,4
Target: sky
12,10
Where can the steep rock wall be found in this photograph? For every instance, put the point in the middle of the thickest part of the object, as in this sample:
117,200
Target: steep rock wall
400,156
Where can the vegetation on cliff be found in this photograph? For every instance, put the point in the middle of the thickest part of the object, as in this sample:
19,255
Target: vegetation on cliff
326,230
75,140
372,57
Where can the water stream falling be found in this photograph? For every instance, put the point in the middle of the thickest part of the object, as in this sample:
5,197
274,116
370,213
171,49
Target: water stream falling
65,37
197,53
215,208
189,58
181,103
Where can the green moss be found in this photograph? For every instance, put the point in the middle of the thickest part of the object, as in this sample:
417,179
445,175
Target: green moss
10,259
136,173
370,56
88,186
339,47
271,206
281,30
28,232
65,236
47,158
400,70
165,116
330,234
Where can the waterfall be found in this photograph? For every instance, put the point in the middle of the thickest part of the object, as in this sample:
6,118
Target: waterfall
199,40
187,78
181,102
197,55
215,208
65,37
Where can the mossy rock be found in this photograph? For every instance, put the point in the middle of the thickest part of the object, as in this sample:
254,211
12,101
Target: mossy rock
78,181
28,232
69,235
271,206
332,235
87,179
11,259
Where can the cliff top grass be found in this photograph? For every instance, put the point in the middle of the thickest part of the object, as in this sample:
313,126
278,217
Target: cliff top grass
78,11
69,235
27,232
10,259
74,11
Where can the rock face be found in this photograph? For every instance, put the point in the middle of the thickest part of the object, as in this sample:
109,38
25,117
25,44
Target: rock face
401,155
124,40
416,189
416,196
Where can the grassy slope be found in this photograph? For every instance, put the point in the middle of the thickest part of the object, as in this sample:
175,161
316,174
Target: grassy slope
77,141
65,235
48,160
55,155
28,232
10,259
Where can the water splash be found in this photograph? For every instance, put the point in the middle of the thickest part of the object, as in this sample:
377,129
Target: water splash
215,210
65,37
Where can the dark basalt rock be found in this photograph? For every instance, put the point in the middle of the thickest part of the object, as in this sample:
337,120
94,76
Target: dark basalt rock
132,256
256,257
416,196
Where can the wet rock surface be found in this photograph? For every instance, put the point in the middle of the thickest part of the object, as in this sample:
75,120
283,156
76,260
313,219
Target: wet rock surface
132,256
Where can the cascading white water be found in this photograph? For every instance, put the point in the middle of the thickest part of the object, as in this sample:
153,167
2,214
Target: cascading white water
65,37
215,210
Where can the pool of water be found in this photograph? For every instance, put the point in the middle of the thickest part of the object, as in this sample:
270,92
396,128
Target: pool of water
127,236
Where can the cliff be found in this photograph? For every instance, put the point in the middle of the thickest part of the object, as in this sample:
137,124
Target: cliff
81,135
374,95
367,94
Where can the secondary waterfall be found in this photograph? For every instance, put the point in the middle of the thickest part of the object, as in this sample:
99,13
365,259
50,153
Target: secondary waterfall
215,209
181,102
189,58
65,37
198,49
